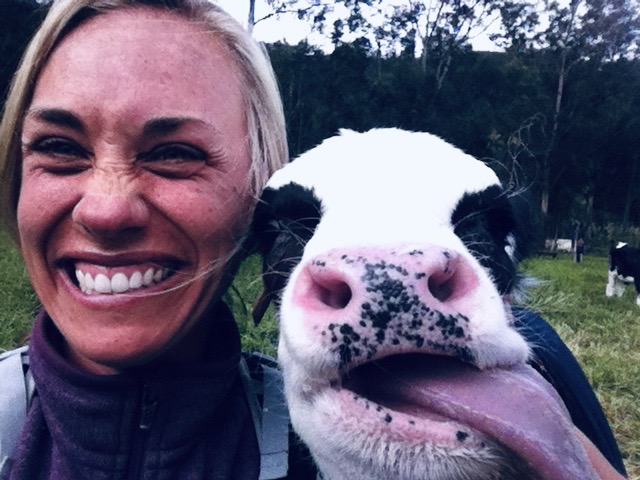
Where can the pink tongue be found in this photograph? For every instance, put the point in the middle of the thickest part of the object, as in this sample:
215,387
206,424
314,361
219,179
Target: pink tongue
516,407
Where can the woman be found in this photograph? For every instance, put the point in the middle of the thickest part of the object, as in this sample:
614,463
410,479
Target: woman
135,139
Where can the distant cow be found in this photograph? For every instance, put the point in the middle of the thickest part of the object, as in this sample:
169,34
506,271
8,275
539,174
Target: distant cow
391,257
559,245
624,269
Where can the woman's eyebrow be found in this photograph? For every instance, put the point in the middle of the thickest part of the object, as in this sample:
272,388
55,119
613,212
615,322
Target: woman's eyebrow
58,116
166,125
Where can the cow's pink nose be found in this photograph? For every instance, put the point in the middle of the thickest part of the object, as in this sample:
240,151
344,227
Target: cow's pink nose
341,280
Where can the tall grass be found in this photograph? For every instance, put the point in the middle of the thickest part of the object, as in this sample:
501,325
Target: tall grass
603,333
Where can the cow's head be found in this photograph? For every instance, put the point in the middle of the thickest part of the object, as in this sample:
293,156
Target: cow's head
391,257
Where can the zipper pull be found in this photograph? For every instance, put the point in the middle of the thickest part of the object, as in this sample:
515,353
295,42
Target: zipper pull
148,411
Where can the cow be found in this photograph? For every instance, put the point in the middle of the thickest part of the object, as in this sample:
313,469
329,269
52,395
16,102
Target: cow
624,269
559,245
391,257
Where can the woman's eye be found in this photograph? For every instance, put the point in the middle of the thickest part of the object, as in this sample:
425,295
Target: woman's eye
59,155
174,151
59,147
174,160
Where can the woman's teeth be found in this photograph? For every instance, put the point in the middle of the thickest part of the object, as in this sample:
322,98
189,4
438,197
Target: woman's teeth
119,282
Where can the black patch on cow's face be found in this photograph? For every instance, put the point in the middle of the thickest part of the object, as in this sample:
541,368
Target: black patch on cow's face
484,221
284,221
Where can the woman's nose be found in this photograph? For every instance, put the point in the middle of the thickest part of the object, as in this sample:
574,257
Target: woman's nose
111,207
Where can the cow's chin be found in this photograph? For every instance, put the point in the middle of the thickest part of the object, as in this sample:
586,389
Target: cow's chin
361,429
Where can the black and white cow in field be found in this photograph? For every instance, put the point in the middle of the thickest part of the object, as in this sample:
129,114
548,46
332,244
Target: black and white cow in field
624,269
391,257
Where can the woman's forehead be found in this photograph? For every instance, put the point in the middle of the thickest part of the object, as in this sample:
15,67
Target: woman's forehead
142,57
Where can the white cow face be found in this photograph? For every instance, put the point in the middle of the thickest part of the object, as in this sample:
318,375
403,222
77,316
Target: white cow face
391,258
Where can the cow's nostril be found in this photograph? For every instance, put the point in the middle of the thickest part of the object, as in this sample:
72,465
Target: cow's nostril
322,288
442,286
446,280
334,293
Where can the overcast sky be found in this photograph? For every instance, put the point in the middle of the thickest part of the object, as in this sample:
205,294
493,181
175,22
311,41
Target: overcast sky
291,29
270,30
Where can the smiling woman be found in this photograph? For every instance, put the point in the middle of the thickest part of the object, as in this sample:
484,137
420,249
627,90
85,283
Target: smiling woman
115,188
135,140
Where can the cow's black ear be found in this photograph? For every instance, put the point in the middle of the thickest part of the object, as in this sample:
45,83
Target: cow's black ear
262,239
284,221
495,226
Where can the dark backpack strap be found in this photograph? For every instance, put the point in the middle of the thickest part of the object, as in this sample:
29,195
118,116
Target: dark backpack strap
16,390
265,394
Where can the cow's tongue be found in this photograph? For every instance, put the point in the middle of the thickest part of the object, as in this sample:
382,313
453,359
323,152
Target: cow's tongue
515,406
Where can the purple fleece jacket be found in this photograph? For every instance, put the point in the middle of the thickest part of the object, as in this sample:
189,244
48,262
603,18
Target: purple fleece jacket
163,421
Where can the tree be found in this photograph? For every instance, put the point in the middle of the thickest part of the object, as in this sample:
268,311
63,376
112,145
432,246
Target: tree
594,31
433,31
18,22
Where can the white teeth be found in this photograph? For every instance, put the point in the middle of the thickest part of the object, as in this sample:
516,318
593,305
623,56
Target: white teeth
103,284
147,279
158,276
88,282
136,280
119,283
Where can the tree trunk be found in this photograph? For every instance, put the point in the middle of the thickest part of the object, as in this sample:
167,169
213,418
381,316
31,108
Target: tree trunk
441,73
424,54
546,188
546,161
252,16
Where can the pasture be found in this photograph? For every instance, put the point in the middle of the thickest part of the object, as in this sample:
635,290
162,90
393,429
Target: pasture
603,333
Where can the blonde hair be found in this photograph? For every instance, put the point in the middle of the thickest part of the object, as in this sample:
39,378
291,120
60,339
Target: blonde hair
264,115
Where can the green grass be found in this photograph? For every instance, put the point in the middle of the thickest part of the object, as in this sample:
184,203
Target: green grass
17,300
603,333
241,297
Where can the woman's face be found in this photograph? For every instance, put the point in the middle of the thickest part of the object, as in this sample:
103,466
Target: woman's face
134,185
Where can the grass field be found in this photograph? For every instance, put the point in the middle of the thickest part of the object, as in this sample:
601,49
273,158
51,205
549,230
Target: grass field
603,333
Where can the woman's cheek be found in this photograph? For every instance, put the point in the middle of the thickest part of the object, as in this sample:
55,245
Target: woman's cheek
44,200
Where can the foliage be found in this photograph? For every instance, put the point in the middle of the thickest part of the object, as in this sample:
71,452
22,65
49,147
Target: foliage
18,21
433,32
593,30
